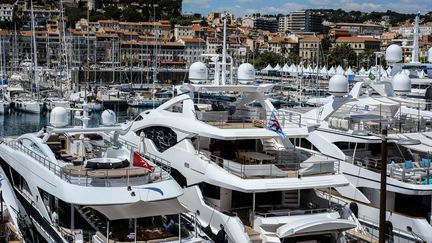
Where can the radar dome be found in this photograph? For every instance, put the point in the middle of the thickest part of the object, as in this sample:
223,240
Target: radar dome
401,83
393,53
198,72
59,117
430,55
109,118
338,85
246,73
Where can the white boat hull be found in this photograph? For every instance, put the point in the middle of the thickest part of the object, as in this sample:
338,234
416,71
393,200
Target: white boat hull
4,107
29,106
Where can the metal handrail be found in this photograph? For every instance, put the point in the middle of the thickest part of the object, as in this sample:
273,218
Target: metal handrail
88,176
287,166
295,212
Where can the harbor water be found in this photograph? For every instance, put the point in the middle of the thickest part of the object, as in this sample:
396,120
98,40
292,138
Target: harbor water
17,123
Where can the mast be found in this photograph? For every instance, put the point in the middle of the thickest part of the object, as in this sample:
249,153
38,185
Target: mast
34,50
224,50
63,48
415,47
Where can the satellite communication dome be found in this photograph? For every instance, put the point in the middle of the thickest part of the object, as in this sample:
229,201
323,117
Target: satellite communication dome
393,53
338,85
109,118
401,83
430,55
246,73
198,72
59,117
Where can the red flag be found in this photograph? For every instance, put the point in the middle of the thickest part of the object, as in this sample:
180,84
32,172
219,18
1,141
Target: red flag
139,161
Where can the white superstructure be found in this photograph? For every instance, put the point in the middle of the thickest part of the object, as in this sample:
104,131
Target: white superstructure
78,184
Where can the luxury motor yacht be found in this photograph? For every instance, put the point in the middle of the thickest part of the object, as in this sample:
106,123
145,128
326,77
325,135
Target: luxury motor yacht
76,184
349,128
238,171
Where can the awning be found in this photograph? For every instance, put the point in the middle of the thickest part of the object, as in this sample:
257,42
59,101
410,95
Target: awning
141,209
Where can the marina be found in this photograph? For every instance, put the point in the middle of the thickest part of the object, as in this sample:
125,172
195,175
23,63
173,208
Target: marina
125,135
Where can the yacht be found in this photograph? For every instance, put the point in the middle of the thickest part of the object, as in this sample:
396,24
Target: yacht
76,184
27,104
239,172
349,128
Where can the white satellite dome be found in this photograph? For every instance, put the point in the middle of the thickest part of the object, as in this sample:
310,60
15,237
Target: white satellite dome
393,53
59,117
338,85
198,72
429,56
109,118
246,73
401,83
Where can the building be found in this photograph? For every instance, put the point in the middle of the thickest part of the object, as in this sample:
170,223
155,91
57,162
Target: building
309,48
193,48
406,30
260,23
215,19
41,16
6,12
301,21
181,32
359,44
361,28
248,22
266,23
284,46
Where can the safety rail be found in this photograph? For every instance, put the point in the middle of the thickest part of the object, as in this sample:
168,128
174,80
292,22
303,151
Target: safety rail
248,116
96,178
163,164
397,171
275,169
373,229
295,212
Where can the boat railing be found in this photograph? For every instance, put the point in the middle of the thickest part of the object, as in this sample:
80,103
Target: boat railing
258,117
397,171
100,177
165,165
374,230
279,213
276,169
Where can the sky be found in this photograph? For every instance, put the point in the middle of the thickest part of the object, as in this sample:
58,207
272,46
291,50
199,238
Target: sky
247,7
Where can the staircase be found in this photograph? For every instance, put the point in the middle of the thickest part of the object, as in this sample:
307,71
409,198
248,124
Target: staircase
291,198
92,219
254,236
270,146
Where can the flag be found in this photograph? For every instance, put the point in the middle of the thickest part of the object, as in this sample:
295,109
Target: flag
273,125
139,161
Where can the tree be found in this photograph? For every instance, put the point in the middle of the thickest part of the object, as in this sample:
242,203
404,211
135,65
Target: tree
131,14
342,55
112,12
366,58
268,58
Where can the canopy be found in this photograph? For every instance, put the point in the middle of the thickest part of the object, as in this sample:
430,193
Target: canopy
268,68
141,209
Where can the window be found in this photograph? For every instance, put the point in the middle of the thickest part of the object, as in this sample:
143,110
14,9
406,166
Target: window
162,137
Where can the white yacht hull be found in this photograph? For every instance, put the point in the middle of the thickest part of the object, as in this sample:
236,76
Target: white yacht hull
28,106
368,213
4,107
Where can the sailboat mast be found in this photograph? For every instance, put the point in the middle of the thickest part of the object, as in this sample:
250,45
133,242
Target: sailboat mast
34,50
415,47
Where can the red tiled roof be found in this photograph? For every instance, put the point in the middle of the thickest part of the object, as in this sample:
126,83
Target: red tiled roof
355,39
